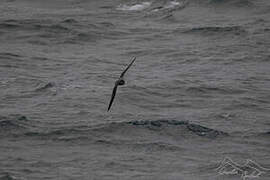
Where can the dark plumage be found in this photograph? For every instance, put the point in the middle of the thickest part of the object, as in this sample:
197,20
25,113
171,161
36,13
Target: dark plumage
119,82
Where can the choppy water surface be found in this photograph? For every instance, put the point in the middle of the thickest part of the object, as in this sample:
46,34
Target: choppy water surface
198,92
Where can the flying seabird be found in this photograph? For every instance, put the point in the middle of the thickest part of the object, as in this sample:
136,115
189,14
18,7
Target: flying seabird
119,82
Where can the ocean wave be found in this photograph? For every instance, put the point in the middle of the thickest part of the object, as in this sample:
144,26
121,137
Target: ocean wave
252,134
168,5
32,24
69,21
247,105
224,3
148,145
194,128
134,7
45,87
162,10
8,55
9,24
45,32
236,3
265,134
13,124
208,30
36,32
209,89
128,130
7,176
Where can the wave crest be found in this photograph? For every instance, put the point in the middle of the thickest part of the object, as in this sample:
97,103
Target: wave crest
7,176
208,30
13,124
134,7
236,3
129,130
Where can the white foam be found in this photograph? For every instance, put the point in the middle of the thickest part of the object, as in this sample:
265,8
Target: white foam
135,7
172,4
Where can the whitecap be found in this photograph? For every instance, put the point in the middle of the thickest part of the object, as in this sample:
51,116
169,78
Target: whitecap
172,4
135,7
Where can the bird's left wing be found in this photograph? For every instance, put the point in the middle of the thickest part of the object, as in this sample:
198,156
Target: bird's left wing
113,95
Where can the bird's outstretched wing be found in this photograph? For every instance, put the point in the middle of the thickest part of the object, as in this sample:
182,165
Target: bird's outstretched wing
113,95
123,73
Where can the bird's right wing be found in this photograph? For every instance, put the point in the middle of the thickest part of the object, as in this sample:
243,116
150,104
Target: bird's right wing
123,73
113,95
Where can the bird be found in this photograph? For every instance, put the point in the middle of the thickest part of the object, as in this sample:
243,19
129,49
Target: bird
119,82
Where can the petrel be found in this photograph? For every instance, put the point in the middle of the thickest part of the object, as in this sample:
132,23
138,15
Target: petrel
119,82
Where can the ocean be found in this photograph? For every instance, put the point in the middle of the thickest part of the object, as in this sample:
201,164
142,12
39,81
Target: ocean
195,106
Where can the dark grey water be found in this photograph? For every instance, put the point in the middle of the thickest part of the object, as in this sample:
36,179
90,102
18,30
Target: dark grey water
198,92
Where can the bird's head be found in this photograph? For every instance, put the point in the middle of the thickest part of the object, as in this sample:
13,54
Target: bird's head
121,82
